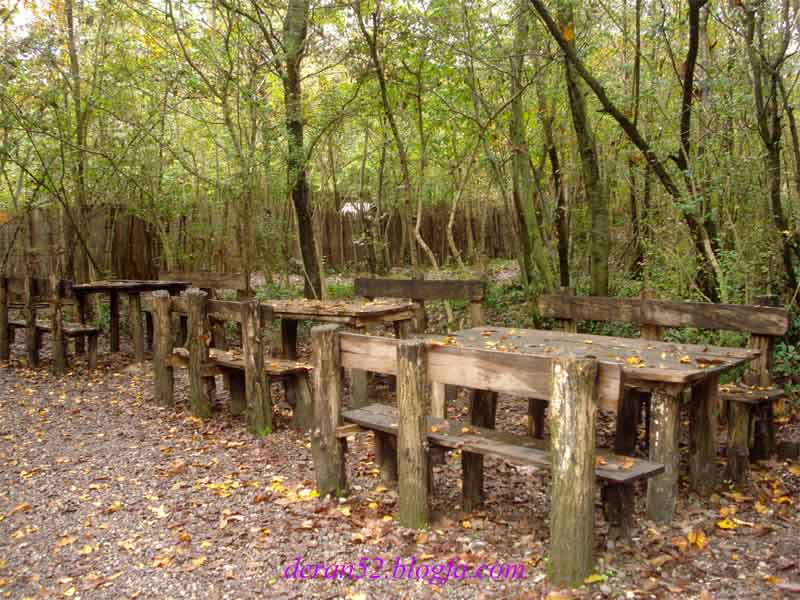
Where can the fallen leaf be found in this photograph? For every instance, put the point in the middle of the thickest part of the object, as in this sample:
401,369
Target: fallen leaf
660,561
594,578
726,524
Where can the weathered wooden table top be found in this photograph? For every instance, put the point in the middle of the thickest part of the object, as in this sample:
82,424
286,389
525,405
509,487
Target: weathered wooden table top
335,310
130,286
643,361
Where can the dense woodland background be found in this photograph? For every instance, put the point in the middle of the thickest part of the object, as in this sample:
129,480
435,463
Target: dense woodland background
601,144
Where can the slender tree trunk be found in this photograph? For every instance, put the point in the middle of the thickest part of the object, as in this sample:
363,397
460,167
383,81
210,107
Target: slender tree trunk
295,27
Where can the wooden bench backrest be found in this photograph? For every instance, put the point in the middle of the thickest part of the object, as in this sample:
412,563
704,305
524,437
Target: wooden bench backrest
422,290
759,320
40,289
517,374
208,280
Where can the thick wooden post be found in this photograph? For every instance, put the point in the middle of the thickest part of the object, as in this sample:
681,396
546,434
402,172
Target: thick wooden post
386,455
483,412
359,395
420,316
257,383
760,370
476,314
412,439
536,413
237,385
148,331
113,309
163,375
303,410
57,325
201,387
328,451
649,331
703,435
568,325
81,309
573,412
135,306
738,466
31,334
289,339
662,490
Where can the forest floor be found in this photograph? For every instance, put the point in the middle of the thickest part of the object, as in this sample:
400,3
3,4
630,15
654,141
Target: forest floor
104,494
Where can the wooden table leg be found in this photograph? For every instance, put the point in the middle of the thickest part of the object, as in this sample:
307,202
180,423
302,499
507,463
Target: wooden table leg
113,299
289,339
703,435
662,490
135,305
80,306
483,412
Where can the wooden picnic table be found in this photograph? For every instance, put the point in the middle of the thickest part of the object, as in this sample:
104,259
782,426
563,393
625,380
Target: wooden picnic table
358,314
665,369
134,289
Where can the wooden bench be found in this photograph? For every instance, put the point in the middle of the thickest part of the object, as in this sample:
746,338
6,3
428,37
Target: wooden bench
248,371
76,331
29,295
405,436
211,283
419,291
231,364
751,428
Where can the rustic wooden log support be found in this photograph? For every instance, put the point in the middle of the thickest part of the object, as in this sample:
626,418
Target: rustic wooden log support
573,413
738,466
32,338
57,326
5,337
113,309
386,455
662,490
257,382
202,388
81,310
163,374
289,339
764,444
327,449
483,412
536,413
618,499
412,440
148,331
91,357
703,436
303,409
137,326
359,395
237,389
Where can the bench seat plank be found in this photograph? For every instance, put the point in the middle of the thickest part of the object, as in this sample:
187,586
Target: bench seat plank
749,394
228,359
69,329
516,448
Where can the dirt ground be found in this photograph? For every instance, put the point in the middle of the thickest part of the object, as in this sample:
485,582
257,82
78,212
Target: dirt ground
104,494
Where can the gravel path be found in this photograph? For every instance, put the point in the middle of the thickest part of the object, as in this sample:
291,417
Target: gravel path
105,495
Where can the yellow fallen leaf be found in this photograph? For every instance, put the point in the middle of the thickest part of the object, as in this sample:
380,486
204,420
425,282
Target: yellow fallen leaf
698,538
594,578
69,593
726,524
380,489
373,505
85,549
65,541
760,508
206,544
772,579
795,470
633,360
345,511
466,524
727,511
199,561
782,500
388,518
114,507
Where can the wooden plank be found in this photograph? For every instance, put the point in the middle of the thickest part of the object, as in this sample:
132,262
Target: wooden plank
734,317
420,289
594,308
127,286
512,373
664,313
489,442
208,279
322,310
